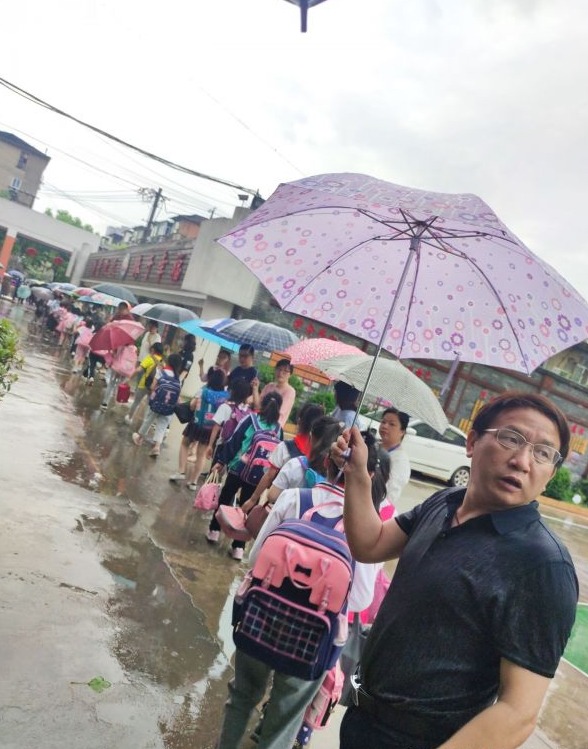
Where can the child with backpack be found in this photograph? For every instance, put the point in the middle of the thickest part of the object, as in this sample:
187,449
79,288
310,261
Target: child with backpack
165,393
298,446
290,614
228,416
198,430
246,456
305,471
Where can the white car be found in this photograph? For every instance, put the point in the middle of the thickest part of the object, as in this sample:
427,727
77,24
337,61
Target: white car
442,456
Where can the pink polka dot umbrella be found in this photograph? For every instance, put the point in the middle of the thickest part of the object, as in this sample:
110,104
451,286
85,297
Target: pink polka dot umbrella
421,274
311,350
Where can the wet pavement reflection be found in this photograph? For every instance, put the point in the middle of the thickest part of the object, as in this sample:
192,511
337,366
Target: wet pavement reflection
107,572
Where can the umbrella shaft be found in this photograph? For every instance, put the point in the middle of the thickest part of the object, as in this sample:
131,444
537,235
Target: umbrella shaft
414,247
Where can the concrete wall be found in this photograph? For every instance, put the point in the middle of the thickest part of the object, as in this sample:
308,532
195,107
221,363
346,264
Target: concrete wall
214,271
18,219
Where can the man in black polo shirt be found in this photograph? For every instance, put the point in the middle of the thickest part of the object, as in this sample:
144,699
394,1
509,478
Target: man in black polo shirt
483,599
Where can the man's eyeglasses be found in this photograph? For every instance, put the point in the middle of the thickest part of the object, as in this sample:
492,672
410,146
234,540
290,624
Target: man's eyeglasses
514,441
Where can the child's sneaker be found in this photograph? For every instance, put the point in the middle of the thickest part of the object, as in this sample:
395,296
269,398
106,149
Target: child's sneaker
154,451
237,553
137,439
213,537
177,476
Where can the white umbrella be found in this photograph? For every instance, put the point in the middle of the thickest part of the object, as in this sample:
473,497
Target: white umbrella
391,381
140,309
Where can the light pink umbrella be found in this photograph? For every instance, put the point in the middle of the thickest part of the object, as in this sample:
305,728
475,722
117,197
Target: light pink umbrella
311,350
424,275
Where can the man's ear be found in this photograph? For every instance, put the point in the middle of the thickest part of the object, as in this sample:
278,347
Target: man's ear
471,440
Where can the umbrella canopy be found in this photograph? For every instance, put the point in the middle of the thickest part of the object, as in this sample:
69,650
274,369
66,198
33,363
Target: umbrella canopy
170,314
391,381
84,291
264,336
115,334
42,293
310,350
194,327
115,289
15,273
140,309
67,287
104,300
425,275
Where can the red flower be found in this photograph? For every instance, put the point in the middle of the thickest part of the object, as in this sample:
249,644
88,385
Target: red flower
57,260
31,251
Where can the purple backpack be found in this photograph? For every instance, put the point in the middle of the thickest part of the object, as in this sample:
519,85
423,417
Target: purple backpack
237,414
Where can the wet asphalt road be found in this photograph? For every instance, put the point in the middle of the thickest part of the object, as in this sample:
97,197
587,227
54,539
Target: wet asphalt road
106,573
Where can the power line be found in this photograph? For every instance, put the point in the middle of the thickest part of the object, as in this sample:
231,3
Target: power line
31,97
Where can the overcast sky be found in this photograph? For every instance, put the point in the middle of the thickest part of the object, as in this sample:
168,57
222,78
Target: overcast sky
445,95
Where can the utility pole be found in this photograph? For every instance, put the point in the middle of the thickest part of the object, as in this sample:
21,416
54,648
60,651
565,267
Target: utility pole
156,198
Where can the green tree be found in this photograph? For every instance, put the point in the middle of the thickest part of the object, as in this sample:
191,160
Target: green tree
560,485
67,218
10,356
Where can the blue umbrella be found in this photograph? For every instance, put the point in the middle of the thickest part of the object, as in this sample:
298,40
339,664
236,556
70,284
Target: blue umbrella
194,327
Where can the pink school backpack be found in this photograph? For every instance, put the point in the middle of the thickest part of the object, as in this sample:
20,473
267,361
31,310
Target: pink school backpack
256,459
289,612
319,711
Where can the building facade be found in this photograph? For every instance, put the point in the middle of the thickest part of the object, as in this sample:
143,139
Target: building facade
21,169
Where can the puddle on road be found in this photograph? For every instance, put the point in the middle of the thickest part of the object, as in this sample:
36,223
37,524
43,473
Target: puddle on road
171,594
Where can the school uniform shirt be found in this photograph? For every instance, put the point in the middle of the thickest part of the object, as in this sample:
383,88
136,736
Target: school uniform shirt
291,475
148,340
281,455
347,416
287,507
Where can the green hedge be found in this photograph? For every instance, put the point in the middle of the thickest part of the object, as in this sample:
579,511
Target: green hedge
10,357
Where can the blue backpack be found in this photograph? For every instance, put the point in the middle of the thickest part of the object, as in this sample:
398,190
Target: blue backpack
165,396
290,611
209,402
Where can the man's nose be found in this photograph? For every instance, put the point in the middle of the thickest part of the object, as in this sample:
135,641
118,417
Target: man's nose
523,455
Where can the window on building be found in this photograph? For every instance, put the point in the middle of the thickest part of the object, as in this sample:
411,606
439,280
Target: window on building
16,183
22,160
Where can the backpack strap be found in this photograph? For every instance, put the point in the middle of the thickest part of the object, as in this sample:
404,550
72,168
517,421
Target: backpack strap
255,421
293,450
306,502
308,511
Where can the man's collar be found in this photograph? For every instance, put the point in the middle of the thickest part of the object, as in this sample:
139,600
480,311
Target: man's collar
504,521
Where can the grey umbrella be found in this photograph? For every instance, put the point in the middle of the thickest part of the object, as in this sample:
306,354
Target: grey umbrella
115,289
170,314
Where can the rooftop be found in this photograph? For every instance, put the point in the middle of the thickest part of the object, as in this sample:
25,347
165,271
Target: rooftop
13,140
